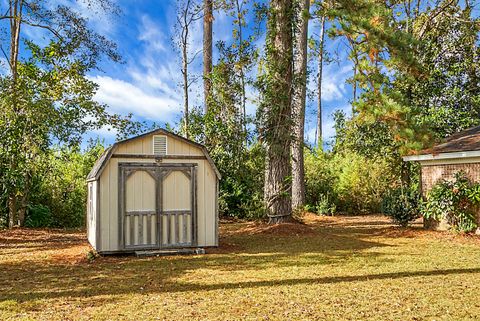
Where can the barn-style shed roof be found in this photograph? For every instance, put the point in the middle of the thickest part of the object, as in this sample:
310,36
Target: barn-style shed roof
460,145
100,164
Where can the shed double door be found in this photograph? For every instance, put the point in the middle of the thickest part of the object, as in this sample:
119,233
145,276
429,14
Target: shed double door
157,205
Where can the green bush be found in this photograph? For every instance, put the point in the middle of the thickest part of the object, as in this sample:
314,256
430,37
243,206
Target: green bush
401,205
325,205
61,186
38,216
360,182
318,178
455,201
352,183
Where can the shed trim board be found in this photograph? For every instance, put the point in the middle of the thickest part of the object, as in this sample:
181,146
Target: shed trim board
158,157
98,234
172,216
99,167
216,212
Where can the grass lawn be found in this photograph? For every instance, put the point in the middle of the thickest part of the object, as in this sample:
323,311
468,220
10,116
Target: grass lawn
330,268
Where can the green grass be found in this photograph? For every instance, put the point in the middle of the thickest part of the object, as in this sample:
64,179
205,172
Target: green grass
333,268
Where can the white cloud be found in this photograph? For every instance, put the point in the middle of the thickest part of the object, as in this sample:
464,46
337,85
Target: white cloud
99,16
124,97
328,129
333,82
148,86
105,131
151,34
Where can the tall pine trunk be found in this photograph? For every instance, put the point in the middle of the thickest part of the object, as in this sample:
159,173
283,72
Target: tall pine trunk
319,138
207,48
277,109
239,13
298,105
15,8
185,89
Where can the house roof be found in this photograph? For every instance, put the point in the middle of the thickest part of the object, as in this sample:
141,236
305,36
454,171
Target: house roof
462,144
102,161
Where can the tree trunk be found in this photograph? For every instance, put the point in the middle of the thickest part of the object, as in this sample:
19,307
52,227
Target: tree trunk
277,103
16,7
12,210
242,72
354,85
319,137
207,48
24,200
298,106
185,89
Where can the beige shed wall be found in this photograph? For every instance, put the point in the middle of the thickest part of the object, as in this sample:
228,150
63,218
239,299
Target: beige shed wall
206,189
144,145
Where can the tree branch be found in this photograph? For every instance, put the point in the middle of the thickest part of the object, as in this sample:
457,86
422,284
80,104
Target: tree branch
35,25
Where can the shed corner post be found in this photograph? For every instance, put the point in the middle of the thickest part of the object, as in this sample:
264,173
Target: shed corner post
194,188
121,202
217,218
98,232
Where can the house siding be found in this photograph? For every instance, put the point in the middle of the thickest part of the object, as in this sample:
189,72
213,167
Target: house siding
432,174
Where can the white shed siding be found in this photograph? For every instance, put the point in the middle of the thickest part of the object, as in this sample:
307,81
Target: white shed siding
92,202
210,199
206,189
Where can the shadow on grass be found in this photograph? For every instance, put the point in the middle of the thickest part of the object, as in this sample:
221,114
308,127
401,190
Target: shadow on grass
153,276
331,244
42,278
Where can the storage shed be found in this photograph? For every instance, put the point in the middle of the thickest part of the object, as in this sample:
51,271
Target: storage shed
459,152
155,191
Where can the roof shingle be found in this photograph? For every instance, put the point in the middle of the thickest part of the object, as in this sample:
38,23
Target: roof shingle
464,141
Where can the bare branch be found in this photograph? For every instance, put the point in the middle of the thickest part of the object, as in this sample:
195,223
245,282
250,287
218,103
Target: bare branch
53,31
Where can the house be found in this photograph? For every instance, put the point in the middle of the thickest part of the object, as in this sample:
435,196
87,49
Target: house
156,191
459,152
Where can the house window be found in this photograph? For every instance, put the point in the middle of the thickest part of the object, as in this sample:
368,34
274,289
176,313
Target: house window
160,145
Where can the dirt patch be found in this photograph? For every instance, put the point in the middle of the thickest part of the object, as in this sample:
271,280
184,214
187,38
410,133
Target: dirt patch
429,234
283,229
56,245
46,237
225,247
73,255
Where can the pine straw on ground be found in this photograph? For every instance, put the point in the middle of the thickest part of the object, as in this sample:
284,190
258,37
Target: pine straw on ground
322,268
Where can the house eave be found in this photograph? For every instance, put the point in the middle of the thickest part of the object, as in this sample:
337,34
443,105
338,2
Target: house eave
452,155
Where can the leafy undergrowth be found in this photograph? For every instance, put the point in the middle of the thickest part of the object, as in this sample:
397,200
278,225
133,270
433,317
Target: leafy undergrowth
326,268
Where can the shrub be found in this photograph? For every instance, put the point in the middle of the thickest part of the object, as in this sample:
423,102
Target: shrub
318,179
455,201
325,205
351,182
401,205
61,186
38,216
360,182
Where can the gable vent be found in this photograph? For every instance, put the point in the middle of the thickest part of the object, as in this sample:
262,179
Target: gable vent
159,145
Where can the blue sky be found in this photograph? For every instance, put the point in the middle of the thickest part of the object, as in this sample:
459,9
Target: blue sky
147,84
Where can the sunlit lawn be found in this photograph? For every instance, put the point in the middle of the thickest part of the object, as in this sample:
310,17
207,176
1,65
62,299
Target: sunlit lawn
332,268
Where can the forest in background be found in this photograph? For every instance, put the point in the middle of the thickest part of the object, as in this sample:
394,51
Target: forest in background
415,81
